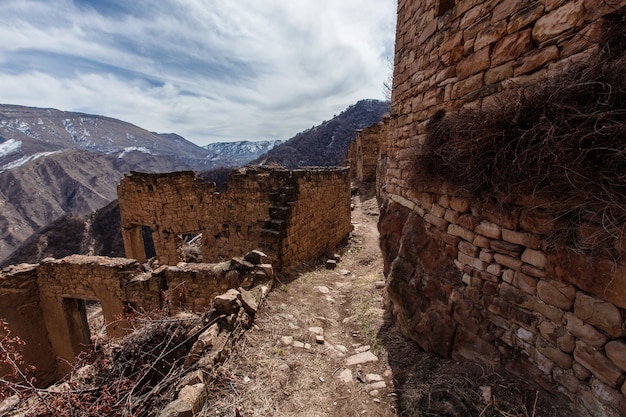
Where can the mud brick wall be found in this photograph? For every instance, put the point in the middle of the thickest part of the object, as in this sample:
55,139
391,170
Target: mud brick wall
477,279
253,211
44,304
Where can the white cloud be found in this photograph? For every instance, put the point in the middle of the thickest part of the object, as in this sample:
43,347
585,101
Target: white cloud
205,69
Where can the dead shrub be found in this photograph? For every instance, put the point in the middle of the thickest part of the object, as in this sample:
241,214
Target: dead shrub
561,141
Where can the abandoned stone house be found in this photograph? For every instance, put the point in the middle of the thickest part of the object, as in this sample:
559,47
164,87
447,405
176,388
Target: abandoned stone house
293,216
481,278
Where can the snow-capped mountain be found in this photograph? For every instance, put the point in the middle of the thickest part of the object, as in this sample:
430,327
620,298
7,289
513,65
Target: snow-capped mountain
54,163
238,153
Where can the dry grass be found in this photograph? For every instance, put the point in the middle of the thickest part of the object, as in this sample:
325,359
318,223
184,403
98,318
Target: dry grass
561,141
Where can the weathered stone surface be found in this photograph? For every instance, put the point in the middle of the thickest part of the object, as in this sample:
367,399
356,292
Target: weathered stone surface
525,17
565,17
600,314
537,59
520,238
488,229
616,352
609,277
508,261
556,293
190,400
598,364
553,353
535,258
227,303
511,47
558,336
360,358
583,331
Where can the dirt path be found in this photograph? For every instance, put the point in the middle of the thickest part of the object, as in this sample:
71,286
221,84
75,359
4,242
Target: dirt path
314,349
322,345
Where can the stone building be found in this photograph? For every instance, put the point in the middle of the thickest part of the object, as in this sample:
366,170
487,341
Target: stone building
479,278
292,216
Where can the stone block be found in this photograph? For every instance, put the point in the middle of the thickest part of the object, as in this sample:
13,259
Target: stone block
616,352
456,230
608,396
556,293
227,303
491,34
488,229
599,313
475,63
499,73
525,17
482,242
495,269
460,204
508,261
506,9
511,47
467,86
507,248
553,353
467,221
558,336
468,249
598,364
536,59
472,261
525,283
486,256
566,17
520,238
535,258
586,332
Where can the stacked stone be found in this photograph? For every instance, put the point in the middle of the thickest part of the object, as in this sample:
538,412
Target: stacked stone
367,148
520,297
320,216
464,53
252,212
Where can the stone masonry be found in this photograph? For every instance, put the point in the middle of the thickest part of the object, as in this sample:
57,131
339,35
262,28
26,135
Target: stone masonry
44,304
292,216
478,279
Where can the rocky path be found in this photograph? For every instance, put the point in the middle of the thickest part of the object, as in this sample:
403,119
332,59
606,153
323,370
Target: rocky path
315,348
323,346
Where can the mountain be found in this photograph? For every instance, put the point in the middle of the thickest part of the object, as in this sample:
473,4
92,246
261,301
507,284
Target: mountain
54,163
97,233
326,144
239,153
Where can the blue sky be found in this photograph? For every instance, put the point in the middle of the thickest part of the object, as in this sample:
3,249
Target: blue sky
209,70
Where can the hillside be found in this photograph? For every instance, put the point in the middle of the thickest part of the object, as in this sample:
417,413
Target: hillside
54,163
327,143
98,233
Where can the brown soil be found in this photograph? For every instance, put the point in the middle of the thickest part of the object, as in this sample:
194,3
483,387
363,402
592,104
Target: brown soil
269,375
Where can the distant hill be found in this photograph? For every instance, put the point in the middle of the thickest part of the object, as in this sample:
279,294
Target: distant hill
54,163
98,233
327,143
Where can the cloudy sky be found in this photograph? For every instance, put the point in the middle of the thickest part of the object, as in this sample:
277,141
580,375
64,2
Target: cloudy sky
209,70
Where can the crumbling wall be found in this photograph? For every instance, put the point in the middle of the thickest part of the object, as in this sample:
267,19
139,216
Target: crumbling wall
44,304
253,211
481,277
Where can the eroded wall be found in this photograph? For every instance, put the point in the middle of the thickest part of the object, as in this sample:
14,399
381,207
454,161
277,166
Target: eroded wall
274,210
44,304
482,279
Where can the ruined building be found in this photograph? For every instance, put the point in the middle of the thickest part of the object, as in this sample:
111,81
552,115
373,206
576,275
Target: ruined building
491,277
293,216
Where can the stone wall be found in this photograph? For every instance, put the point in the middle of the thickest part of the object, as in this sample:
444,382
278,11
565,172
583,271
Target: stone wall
44,304
268,209
481,279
